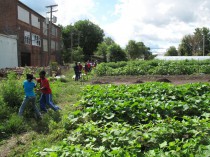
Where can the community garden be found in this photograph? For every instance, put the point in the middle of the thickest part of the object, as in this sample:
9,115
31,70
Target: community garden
148,119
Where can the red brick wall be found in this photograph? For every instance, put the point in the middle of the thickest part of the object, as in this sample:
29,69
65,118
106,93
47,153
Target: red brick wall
10,24
8,16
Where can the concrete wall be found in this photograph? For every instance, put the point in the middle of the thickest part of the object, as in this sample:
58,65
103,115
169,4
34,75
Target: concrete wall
8,51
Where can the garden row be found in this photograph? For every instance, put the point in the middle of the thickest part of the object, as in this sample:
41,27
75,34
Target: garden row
153,67
149,119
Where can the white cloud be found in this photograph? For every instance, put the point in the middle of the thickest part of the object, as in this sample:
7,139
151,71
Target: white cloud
70,11
157,23
160,23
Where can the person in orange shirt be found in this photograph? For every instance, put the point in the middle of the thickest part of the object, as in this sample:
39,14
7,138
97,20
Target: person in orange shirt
46,96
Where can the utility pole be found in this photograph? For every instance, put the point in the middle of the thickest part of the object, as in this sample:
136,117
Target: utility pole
72,46
203,45
79,33
50,30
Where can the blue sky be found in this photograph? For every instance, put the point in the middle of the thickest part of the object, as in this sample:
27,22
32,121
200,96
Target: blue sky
157,23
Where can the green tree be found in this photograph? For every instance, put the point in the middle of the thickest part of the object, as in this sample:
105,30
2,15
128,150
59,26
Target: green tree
186,46
137,50
145,50
172,51
84,34
196,44
77,54
102,50
116,53
67,33
91,36
133,50
202,36
109,41
66,55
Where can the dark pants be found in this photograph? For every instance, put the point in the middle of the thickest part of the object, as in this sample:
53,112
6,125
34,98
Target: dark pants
26,101
77,76
47,99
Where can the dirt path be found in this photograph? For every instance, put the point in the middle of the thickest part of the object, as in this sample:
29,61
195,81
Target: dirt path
12,143
175,79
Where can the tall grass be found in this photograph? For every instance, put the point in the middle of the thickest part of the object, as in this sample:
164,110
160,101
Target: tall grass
41,132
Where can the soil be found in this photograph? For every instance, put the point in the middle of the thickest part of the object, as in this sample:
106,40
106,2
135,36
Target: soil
12,143
174,79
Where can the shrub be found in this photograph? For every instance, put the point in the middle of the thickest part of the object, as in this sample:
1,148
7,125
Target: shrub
4,109
13,91
14,125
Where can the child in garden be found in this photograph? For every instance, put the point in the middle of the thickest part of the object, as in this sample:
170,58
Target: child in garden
30,96
46,96
76,71
80,70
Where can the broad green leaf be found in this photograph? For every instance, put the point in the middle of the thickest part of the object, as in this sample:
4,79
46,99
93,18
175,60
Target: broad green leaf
164,144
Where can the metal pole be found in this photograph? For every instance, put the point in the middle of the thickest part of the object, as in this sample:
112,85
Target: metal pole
50,30
71,47
203,45
49,36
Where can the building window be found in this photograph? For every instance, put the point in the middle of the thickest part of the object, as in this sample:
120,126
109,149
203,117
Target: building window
27,37
45,45
45,28
23,14
52,44
57,46
54,30
36,41
35,21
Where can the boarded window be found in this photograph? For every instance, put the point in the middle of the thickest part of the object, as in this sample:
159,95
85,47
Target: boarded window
52,45
23,15
35,21
45,45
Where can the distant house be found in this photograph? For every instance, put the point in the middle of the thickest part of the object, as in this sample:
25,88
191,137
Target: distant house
32,32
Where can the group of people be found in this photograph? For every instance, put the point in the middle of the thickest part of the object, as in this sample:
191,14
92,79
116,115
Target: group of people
30,97
78,68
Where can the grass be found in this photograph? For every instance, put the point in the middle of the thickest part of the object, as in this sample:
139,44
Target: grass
50,130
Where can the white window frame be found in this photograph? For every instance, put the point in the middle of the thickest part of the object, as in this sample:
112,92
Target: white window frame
36,40
27,37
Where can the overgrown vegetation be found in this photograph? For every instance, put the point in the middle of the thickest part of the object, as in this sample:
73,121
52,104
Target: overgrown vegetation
153,67
38,133
149,119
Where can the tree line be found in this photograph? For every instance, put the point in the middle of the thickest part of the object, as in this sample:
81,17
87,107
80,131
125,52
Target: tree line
85,40
196,44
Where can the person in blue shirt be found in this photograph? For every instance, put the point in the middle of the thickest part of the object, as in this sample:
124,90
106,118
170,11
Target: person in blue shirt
30,96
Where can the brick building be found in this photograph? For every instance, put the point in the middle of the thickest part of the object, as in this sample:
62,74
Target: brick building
32,30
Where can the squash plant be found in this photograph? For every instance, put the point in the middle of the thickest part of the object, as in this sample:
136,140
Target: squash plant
150,119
